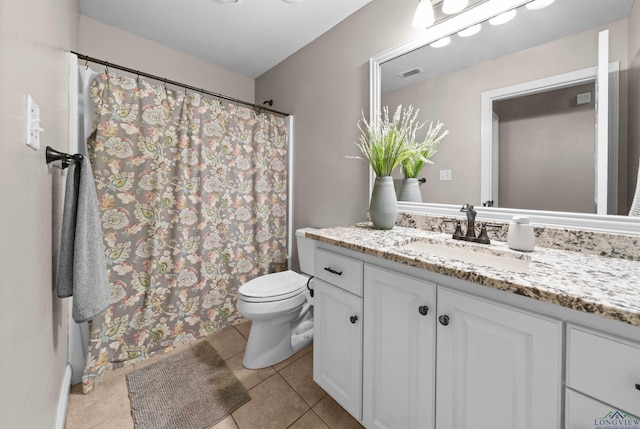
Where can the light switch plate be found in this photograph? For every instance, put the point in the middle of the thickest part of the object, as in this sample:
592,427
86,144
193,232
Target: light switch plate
33,124
445,175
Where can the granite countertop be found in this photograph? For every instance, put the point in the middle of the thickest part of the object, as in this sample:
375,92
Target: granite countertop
605,286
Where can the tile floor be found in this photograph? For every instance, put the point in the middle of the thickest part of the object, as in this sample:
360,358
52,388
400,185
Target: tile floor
282,396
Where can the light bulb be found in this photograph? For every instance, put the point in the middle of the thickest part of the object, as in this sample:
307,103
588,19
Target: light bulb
441,42
470,31
424,15
454,6
503,18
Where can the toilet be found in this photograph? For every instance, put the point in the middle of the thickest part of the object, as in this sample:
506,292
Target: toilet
280,308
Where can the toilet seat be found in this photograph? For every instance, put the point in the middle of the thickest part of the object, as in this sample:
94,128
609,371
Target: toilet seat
273,287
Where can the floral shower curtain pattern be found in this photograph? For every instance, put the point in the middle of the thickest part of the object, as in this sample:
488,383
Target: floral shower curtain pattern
192,193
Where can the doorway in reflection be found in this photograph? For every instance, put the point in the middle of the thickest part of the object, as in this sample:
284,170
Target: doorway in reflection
547,150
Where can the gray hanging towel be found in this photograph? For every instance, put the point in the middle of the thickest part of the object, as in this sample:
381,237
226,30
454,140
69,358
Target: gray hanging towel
82,269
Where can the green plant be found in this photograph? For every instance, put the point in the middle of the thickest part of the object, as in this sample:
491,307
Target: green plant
384,142
421,152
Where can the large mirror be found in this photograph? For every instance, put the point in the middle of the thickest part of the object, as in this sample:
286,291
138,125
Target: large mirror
520,101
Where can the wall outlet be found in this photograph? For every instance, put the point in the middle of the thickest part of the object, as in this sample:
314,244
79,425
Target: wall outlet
445,175
33,124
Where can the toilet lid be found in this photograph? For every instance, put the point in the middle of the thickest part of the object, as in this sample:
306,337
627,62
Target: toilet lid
273,287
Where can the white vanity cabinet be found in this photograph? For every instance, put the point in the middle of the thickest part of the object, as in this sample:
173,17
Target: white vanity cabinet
401,347
497,367
399,351
603,376
338,321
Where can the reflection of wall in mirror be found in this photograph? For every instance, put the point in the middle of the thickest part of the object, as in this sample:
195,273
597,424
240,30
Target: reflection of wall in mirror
454,99
546,151
634,100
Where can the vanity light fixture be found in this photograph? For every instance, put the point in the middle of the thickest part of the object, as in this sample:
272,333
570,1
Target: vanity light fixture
470,31
441,42
503,18
454,6
424,15
539,4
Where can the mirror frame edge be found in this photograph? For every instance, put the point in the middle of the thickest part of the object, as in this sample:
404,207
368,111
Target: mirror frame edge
583,221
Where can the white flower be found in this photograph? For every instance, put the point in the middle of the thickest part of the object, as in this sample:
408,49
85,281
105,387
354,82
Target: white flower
142,319
244,265
188,216
262,185
189,156
277,164
119,147
144,248
263,235
150,180
154,116
278,210
187,277
242,162
114,219
183,338
243,214
211,298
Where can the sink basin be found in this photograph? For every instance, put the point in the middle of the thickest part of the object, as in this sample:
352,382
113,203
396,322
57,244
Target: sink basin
471,253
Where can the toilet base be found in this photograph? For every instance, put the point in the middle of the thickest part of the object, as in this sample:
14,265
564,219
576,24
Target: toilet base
271,343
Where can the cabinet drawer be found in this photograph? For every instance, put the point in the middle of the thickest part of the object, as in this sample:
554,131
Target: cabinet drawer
604,368
341,271
583,412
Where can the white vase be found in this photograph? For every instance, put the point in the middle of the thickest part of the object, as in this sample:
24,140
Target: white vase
410,191
383,208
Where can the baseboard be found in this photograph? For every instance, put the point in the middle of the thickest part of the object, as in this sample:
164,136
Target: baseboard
63,398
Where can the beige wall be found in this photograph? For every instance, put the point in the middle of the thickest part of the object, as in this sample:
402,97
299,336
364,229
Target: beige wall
455,100
120,47
325,86
35,36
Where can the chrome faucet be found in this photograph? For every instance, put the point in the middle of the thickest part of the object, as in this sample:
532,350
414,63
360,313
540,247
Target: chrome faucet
471,219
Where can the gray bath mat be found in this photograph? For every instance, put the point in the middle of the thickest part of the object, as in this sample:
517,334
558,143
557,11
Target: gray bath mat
192,389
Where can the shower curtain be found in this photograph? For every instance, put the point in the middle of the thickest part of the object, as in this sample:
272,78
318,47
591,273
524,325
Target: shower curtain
192,193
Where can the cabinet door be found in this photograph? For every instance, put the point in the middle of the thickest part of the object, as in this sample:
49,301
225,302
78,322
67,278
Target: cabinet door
399,341
337,348
583,412
497,367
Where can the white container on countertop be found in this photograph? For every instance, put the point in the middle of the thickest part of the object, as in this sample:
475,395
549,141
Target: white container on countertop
520,235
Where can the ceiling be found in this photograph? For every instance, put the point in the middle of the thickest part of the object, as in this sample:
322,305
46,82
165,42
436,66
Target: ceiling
248,36
529,28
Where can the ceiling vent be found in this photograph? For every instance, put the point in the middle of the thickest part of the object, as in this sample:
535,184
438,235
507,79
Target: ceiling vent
411,72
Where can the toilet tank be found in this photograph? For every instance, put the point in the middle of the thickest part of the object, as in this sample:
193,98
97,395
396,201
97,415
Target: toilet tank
306,248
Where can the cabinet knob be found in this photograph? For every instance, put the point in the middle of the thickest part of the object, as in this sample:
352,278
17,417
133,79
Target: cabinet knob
638,386
423,309
444,320
353,319
332,271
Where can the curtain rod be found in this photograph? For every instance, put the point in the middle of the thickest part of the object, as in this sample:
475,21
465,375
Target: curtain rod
174,83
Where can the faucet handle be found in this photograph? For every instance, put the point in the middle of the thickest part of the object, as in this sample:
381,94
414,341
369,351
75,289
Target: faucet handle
483,238
458,231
